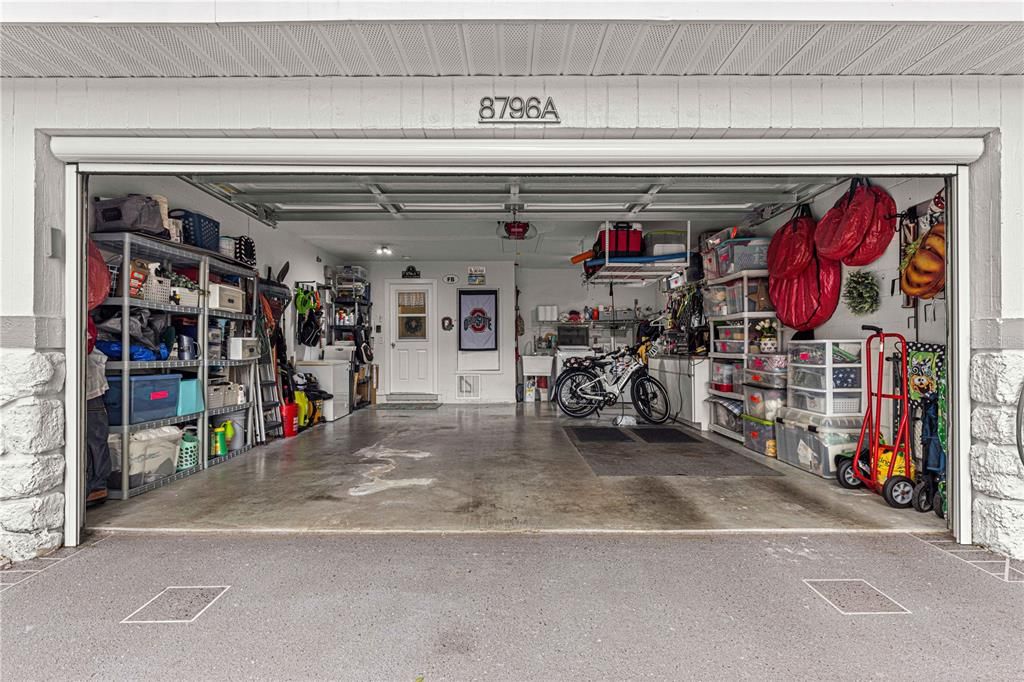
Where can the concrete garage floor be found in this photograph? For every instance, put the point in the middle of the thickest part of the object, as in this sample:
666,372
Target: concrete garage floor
487,468
514,607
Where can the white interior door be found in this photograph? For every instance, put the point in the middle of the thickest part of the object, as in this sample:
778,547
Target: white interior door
412,350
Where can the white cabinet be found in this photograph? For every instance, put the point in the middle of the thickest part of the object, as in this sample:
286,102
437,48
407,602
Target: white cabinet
334,377
685,379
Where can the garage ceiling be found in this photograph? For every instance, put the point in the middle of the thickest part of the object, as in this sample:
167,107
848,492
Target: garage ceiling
510,49
433,217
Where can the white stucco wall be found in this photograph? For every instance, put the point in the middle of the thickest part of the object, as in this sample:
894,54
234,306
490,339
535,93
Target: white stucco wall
31,278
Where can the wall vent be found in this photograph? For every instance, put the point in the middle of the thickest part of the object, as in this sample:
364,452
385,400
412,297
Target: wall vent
468,386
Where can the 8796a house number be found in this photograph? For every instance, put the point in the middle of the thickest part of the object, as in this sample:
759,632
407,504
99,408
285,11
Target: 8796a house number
517,110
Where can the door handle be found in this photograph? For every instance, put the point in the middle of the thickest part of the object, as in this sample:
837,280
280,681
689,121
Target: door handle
392,344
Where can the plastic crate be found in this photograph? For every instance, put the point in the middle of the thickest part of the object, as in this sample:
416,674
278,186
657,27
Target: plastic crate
763,403
739,297
730,347
710,260
190,397
157,289
153,396
759,436
198,229
737,255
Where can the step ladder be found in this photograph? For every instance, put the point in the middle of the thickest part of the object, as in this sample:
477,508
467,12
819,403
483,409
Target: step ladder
268,397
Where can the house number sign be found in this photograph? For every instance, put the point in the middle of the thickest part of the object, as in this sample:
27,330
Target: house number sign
518,110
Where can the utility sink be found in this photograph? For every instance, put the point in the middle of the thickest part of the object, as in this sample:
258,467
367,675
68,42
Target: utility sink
537,365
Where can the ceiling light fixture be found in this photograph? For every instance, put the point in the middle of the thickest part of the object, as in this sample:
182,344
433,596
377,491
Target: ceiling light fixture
384,250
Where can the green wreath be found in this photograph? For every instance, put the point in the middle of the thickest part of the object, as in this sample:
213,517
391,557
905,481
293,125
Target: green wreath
861,293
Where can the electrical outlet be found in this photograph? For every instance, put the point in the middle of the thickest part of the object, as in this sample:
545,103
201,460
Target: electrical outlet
377,329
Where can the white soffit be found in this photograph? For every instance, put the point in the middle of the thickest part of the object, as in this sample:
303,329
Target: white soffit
514,153
516,48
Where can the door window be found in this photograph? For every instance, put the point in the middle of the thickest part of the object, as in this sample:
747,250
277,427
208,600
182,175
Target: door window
412,315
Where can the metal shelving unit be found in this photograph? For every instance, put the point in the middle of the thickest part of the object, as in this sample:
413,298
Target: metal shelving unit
134,246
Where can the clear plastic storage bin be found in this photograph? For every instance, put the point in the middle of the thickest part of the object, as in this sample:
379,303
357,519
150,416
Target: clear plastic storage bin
759,436
768,363
730,347
821,379
826,352
724,376
815,442
753,377
716,301
731,332
740,300
842,403
742,254
726,413
763,403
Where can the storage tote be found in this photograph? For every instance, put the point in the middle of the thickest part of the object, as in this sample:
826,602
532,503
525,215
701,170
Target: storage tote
665,243
759,436
755,377
198,229
763,403
153,455
726,413
151,397
768,362
724,376
815,442
737,255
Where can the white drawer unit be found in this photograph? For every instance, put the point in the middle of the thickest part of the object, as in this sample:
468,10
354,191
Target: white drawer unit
243,348
827,377
225,297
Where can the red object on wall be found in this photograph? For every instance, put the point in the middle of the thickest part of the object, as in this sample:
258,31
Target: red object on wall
622,242
879,231
792,247
843,227
809,299
516,229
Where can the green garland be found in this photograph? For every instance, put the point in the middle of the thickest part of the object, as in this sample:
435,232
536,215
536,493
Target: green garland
861,293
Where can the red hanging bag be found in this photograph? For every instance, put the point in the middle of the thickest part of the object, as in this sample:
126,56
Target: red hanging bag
880,230
792,247
842,229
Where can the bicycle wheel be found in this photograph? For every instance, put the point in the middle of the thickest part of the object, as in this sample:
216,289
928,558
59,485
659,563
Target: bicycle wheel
567,393
651,400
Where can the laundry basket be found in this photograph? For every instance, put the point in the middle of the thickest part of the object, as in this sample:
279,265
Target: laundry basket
188,449
198,229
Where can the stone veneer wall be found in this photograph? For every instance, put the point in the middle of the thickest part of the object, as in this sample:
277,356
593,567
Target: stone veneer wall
997,473
31,452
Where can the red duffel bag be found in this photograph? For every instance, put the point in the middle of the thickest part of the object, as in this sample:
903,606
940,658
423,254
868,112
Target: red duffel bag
842,229
792,247
810,298
879,233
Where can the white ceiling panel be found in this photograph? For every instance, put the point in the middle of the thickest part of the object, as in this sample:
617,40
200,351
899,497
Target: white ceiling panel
509,48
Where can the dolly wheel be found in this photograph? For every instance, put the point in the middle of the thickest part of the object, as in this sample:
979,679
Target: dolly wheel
898,491
922,497
845,477
937,505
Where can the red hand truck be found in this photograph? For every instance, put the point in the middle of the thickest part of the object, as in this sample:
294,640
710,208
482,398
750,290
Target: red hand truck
887,469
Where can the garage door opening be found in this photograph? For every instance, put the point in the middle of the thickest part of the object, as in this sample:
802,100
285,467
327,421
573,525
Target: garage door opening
372,286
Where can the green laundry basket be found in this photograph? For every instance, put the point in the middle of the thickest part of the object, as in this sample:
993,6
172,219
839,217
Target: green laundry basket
188,448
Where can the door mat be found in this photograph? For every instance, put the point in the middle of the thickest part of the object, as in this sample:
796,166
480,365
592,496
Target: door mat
663,434
598,434
408,406
700,458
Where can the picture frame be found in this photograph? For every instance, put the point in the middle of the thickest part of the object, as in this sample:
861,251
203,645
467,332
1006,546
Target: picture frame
478,320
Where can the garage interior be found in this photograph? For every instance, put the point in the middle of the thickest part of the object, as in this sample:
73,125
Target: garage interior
444,437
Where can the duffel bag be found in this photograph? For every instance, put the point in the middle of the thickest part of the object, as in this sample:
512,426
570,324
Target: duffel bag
131,213
792,247
622,241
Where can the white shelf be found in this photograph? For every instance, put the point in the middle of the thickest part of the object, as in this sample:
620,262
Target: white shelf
724,394
152,305
751,274
742,316
118,365
154,423
728,356
227,409
721,430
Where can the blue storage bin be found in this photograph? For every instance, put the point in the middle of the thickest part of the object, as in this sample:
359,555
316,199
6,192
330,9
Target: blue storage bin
190,397
151,397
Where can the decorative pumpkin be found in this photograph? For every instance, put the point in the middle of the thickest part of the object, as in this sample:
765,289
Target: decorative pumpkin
924,269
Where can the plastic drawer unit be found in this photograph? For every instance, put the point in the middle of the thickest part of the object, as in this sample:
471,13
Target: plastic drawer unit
815,442
150,397
756,377
827,377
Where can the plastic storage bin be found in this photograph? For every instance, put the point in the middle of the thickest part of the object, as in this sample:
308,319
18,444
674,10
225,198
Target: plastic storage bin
190,397
739,297
819,352
710,260
731,332
820,379
716,302
763,403
842,403
724,376
736,255
150,397
754,377
759,436
768,363
153,455
730,347
814,442
726,413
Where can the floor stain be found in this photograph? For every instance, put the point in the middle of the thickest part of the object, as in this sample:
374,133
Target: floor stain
383,461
